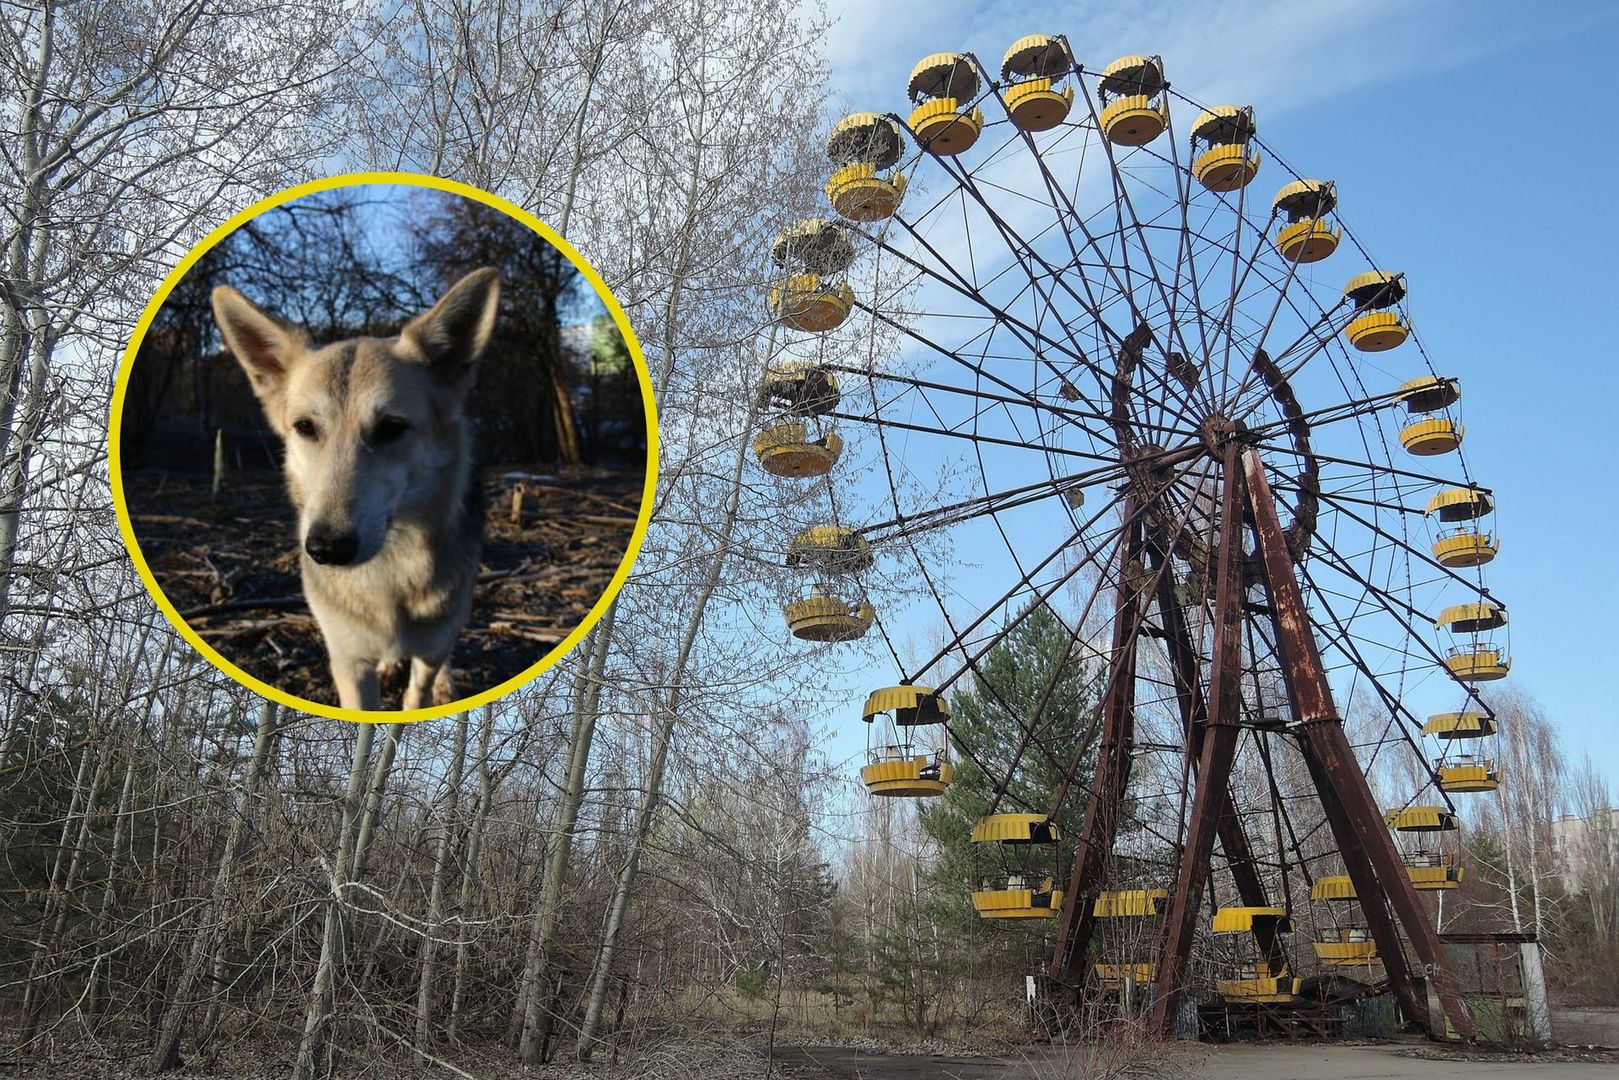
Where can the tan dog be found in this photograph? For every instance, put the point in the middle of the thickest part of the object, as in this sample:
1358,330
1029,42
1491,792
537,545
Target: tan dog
378,463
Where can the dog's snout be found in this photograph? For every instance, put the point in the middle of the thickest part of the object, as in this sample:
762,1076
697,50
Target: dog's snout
330,547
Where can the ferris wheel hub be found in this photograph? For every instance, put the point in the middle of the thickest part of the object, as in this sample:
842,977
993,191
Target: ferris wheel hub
1219,431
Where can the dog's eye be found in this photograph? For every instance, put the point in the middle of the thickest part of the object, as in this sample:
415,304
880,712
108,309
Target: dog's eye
388,429
305,428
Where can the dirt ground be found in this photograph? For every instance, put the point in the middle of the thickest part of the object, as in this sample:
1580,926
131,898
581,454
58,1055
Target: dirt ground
1244,1061
231,569
721,1060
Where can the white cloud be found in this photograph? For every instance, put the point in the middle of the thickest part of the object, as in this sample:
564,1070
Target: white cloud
1277,55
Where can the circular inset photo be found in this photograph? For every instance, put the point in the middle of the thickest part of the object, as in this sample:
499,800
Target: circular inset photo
383,447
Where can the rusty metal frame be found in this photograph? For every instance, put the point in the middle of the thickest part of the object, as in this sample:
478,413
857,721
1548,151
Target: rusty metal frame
1382,884
1112,766
1183,660
1216,755
1213,728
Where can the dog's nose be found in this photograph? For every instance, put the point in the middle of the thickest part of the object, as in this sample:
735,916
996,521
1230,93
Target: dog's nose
329,547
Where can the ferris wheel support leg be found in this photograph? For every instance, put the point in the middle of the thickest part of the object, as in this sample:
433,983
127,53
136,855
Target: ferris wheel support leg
1112,771
1364,842
1379,920
1194,717
1218,752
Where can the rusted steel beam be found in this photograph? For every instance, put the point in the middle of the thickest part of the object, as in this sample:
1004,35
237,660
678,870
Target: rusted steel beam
1184,663
1218,752
1379,920
1367,848
1112,768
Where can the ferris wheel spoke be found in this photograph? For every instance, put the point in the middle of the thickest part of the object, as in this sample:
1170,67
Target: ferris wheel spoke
964,288
1390,700
1390,471
1256,343
918,521
1068,655
1024,582
1124,201
1446,573
945,433
1288,360
1025,252
1036,405
1029,399
1357,409
1401,611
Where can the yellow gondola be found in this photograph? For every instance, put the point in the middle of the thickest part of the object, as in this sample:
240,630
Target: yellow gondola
942,85
1353,947
1260,983
1306,237
1027,894
1478,663
1468,776
1241,920
815,244
1135,110
1113,976
830,548
801,388
911,705
1431,435
1460,504
1465,547
1430,872
1032,69
1429,393
1375,290
1459,725
864,148
807,302
1016,829
1333,888
1376,328
1420,819
1377,331
1129,903
1226,164
823,617
1474,618
1021,897
906,767
786,449
904,775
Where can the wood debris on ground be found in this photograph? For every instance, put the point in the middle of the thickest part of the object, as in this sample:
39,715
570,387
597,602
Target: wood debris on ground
552,543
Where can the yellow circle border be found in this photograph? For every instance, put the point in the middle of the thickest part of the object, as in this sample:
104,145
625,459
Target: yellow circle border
115,432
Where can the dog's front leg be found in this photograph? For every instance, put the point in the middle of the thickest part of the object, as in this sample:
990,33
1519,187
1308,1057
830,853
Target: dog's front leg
428,677
357,686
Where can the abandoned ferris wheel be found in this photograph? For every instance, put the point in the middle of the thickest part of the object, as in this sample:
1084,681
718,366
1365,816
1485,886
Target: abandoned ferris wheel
1211,407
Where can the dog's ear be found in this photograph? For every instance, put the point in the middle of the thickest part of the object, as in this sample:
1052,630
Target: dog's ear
454,333
265,348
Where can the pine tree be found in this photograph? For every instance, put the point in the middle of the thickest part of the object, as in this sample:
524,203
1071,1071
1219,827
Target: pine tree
988,722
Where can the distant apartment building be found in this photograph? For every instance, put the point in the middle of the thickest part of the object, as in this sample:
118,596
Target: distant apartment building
1577,840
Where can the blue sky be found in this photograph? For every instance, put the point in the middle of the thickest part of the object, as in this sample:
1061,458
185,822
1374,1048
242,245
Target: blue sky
1471,145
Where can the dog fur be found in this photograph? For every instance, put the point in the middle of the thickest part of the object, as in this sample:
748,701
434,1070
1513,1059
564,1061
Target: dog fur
378,464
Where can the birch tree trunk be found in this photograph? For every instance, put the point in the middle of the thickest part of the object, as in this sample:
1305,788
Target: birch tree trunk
646,811
435,895
319,1010
586,703
211,920
469,864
